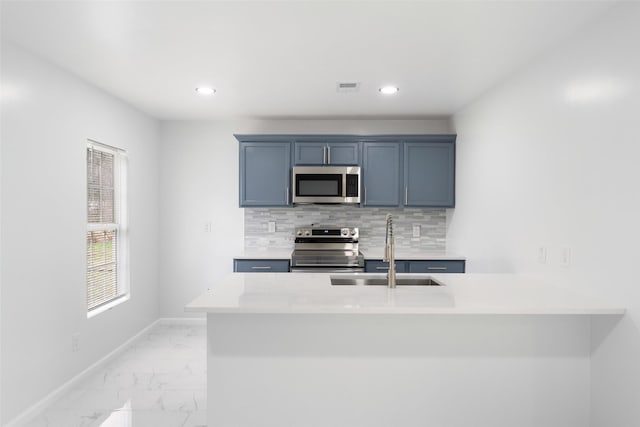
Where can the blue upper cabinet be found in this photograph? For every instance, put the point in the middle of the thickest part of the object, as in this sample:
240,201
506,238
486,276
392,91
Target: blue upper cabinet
265,175
397,170
343,153
326,153
310,153
381,174
429,173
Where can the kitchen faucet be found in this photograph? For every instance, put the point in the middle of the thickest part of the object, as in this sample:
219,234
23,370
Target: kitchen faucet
389,253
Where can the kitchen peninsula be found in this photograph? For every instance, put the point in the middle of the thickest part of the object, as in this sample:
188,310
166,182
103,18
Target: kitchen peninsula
484,349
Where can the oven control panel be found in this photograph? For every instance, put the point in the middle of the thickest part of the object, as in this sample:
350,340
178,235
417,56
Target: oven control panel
327,232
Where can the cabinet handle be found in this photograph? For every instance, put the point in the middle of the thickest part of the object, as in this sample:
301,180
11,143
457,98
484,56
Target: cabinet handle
328,155
365,195
286,194
406,195
266,267
436,268
382,268
324,155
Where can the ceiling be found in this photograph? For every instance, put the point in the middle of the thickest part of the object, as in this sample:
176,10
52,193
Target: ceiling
270,59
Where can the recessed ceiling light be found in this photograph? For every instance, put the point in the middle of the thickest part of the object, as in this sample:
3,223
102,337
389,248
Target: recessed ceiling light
205,90
389,90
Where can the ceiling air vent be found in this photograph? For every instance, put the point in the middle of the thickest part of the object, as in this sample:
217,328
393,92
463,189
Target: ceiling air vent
347,86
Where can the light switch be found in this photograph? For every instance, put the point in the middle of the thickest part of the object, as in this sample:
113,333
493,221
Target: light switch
565,257
75,342
542,255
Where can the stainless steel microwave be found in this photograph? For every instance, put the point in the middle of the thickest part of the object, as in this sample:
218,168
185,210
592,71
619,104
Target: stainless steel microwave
326,184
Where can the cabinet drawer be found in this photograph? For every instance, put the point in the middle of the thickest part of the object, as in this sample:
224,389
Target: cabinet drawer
443,266
261,265
377,266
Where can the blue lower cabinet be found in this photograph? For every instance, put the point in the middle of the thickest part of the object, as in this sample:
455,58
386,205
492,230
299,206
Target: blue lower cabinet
437,266
419,266
261,265
377,266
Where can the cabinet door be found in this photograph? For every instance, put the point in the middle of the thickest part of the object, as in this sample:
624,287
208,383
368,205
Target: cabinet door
310,153
429,174
381,172
437,266
320,153
261,265
265,169
379,266
343,153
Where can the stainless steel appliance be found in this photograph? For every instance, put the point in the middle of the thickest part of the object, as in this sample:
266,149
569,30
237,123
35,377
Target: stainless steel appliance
326,184
326,249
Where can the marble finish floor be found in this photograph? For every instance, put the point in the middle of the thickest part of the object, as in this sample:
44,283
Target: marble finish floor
160,381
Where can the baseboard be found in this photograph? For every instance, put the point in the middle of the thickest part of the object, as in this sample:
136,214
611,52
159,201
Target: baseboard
41,405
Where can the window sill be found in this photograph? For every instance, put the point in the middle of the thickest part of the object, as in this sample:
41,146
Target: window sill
107,306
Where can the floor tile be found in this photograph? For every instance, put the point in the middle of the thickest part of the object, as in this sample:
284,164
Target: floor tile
159,381
196,419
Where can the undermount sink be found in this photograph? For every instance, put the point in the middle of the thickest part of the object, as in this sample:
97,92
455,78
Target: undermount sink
382,281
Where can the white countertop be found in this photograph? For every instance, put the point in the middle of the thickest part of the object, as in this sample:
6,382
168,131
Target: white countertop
276,254
413,256
462,294
286,254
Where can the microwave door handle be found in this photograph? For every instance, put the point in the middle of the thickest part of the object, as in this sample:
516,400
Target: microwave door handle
344,185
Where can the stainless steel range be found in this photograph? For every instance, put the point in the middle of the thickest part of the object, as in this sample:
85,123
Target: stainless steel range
326,249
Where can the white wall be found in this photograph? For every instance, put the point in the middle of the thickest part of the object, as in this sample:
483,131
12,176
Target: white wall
1,239
550,158
199,182
47,116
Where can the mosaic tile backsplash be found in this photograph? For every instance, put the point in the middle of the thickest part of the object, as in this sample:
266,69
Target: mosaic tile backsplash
371,222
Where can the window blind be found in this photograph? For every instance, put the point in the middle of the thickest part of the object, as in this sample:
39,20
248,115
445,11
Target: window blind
102,267
105,278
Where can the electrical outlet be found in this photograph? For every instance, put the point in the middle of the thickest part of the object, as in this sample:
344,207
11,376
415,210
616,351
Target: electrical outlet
542,255
565,257
272,226
416,230
75,343
208,227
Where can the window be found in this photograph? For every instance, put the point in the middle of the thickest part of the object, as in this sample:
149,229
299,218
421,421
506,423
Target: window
107,266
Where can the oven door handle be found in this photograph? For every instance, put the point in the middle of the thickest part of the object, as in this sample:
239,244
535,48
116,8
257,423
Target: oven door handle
327,270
